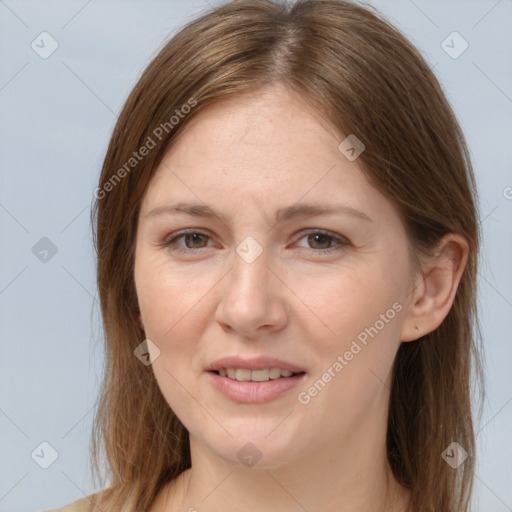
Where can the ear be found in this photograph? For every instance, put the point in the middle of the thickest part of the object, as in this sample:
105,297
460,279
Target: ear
435,290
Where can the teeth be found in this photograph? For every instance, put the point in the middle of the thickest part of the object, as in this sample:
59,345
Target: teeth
259,375
246,375
275,373
242,375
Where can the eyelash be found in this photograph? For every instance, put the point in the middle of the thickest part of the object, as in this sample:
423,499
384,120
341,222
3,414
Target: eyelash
170,242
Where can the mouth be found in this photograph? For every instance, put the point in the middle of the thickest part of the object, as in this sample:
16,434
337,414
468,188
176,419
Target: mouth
267,380
254,380
262,375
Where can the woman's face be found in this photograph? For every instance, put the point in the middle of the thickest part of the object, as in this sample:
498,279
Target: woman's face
250,291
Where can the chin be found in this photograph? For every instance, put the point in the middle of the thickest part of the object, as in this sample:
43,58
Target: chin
257,451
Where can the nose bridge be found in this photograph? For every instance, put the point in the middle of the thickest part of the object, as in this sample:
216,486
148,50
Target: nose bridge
250,296
250,275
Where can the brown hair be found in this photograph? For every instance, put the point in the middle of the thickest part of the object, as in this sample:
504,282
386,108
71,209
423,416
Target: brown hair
367,79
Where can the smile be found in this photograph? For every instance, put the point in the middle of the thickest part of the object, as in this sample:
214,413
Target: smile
246,375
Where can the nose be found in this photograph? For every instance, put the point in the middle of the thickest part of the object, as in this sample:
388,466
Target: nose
252,298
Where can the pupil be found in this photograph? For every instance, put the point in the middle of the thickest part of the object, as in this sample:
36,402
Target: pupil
314,236
194,237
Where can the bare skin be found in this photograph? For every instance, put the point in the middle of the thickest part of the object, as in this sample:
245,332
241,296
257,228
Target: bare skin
304,300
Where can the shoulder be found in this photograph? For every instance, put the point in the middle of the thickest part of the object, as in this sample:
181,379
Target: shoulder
86,504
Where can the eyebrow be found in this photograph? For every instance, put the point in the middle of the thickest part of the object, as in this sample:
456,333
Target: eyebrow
294,211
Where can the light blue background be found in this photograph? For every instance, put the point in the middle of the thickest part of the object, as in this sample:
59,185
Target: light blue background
56,119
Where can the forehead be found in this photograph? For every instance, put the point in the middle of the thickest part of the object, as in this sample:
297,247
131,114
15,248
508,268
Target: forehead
265,128
268,149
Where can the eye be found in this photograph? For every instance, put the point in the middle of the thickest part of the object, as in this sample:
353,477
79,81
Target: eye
324,239
193,241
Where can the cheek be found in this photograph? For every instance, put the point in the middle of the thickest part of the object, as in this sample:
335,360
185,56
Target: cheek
170,305
355,341
357,335
347,302
166,297
176,313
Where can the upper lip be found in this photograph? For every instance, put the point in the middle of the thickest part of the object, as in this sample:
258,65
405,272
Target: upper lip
256,363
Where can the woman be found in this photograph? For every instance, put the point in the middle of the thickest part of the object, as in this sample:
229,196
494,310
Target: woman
287,240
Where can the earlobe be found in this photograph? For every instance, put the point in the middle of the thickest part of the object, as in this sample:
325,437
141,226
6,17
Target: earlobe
433,297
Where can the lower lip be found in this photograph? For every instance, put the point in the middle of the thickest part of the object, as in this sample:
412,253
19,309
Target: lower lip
254,392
